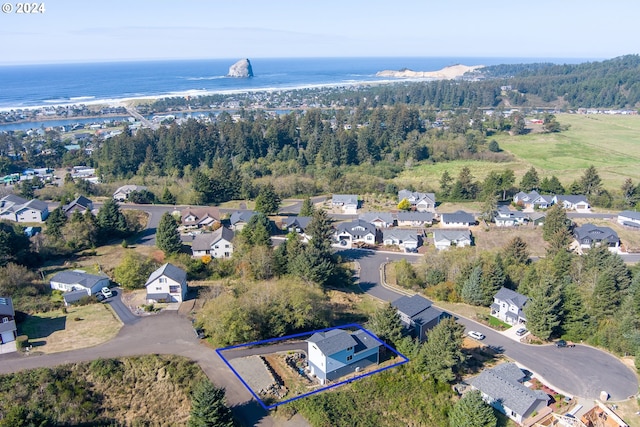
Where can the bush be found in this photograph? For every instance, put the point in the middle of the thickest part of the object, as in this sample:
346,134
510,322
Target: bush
22,342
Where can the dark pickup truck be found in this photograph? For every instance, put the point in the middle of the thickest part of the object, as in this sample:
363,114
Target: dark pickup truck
563,343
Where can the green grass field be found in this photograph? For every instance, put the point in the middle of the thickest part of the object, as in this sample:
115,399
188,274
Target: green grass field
610,143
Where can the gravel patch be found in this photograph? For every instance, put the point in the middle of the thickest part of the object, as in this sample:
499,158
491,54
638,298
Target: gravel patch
254,372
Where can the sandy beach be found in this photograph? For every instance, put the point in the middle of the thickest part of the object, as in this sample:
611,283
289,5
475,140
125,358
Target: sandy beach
447,73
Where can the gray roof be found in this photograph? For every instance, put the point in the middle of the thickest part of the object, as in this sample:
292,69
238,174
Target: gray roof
364,341
12,199
345,199
458,216
594,233
6,307
36,204
204,241
505,211
169,270
351,228
242,216
403,235
78,201
500,385
126,189
630,214
200,214
571,198
411,306
74,296
451,235
333,341
414,197
415,216
79,278
297,221
512,297
377,216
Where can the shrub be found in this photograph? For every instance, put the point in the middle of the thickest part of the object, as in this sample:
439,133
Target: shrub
22,342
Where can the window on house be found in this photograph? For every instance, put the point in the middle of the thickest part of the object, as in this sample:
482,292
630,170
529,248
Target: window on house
350,349
158,288
349,357
162,280
174,289
226,246
216,246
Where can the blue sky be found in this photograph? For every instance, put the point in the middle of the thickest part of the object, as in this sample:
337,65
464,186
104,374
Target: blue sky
90,30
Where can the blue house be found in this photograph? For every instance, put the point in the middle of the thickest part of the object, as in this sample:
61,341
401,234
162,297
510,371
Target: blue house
336,353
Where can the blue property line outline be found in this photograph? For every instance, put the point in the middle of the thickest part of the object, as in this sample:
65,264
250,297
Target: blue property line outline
404,360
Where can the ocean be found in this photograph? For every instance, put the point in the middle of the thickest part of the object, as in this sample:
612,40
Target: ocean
24,86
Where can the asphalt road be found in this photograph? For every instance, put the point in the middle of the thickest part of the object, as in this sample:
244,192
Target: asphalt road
581,371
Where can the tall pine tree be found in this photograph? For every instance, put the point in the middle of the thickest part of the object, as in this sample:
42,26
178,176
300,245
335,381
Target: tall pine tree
167,236
472,411
208,407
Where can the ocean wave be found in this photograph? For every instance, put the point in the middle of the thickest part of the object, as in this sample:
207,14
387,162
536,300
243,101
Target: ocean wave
205,78
81,98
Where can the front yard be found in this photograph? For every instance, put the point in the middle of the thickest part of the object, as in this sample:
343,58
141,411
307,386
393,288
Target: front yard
81,326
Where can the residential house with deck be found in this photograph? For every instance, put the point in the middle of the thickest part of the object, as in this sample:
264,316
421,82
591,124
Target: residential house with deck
508,306
502,387
335,353
418,315
505,217
532,200
208,216
348,202
8,328
421,202
79,280
218,244
167,284
358,231
589,235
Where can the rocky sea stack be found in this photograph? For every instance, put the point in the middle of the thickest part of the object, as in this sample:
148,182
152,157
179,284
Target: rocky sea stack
241,69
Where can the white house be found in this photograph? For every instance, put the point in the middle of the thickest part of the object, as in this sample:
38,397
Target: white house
8,328
502,387
16,209
414,219
358,231
336,353
576,203
629,219
409,240
218,244
532,200
168,283
457,219
75,280
421,202
508,306
297,224
122,193
379,219
348,202
505,217
241,218
444,239
200,217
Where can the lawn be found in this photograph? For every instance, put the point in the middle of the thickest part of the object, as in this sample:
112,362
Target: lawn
56,331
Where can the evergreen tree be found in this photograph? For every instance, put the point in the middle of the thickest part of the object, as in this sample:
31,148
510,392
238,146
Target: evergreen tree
307,208
167,236
55,222
530,181
516,251
25,189
268,200
492,279
472,411
445,184
576,322
441,355
590,183
111,221
551,186
556,228
605,297
167,197
472,288
208,407
464,188
630,193
543,309
385,323
257,232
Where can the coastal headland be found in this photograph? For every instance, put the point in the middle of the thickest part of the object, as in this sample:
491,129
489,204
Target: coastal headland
446,73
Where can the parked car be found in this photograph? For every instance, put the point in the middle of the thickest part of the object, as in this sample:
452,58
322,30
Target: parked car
563,343
520,332
476,335
199,333
106,292
100,297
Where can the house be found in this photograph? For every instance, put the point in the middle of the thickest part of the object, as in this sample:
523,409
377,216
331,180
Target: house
502,388
79,204
335,353
208,216
217,244
444,239
532,200
418,315
241,218
74,280
8,328
16,209
168,283
122,193
629,219
379,219
508,306
409,240
577,203
457,219
421,202
589,235
358,231
348,202
505,217
297,224
414,219
537,218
